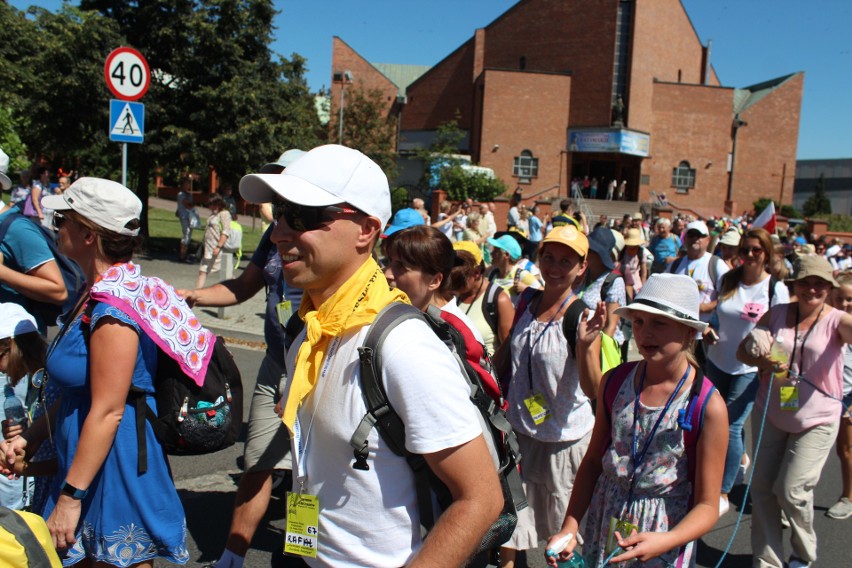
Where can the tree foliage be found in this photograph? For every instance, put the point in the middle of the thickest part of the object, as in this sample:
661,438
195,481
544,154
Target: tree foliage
461,184
219,97
368,127
818,203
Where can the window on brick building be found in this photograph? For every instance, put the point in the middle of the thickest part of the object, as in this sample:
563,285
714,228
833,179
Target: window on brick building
683,177
526,166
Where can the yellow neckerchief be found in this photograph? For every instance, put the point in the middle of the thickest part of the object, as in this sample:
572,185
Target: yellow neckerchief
355,304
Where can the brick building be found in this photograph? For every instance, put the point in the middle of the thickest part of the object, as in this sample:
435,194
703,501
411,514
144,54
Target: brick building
613,89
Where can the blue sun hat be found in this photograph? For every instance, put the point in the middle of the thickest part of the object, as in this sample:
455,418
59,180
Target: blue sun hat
403,219
508,244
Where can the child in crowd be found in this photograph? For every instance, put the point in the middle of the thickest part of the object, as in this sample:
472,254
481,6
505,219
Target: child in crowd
648,492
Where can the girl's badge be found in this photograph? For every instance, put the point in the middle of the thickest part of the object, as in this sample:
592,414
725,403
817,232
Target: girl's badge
624,528
789,397
302,536
537,407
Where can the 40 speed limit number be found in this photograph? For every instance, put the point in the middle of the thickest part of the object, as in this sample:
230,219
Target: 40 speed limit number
127,74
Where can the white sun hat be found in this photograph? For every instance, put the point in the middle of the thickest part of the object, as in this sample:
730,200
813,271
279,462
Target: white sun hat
674,296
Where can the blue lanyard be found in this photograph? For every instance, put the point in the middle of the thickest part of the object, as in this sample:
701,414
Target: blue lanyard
532,343
637,460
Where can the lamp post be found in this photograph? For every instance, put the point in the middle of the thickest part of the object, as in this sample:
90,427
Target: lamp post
346,77
735,127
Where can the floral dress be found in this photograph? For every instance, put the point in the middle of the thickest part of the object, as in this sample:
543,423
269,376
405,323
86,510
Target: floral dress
661,497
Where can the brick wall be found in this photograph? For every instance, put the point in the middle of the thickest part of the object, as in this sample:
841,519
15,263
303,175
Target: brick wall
525,111
692,123
665,47
767,143
364,77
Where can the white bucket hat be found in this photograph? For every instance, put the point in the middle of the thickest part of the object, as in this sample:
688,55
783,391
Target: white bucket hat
104,202
674,296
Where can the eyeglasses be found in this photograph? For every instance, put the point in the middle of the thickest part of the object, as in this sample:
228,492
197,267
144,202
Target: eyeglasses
305,218
58,220
755,251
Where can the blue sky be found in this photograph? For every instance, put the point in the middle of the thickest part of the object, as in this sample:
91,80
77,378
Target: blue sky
753,40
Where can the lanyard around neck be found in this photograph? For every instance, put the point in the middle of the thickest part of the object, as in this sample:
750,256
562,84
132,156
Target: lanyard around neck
804,339
638,459
532,343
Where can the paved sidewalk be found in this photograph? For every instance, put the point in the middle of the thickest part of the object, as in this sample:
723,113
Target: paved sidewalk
243,322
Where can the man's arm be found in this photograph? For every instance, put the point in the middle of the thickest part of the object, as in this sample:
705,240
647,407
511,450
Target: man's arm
229,292
469,473
43,283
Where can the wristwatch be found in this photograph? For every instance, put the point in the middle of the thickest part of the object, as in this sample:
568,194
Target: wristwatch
73,492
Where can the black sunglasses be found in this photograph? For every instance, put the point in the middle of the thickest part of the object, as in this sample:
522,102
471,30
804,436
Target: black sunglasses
305,218
756,251
58,220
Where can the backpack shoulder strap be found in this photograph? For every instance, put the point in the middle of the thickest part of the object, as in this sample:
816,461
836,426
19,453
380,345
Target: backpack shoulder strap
773,282
524,300
613,384
570,323
34,552
713,269
691,419
489,305
607,283
7,222
380,414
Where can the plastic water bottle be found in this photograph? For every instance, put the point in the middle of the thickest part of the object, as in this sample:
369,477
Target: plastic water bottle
576,560
13,408
779,355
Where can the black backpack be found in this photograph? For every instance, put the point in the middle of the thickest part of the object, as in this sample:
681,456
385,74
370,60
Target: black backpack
497,431
72,276
190,420
489,305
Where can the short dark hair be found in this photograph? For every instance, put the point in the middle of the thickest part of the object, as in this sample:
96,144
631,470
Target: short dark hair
426,248
564,205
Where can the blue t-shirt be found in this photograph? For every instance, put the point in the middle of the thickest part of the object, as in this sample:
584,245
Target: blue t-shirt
24,249
535,229
266,258
664,248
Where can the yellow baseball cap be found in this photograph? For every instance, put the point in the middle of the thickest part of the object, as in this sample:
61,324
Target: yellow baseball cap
569,236
469,247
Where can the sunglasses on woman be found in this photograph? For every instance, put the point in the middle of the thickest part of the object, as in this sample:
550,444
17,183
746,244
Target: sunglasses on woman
305,218
58,220
755,251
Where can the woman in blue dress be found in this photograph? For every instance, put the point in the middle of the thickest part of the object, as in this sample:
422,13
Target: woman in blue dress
101,509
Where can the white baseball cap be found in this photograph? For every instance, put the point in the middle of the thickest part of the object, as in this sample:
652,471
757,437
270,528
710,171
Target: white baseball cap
15,320
327,175
283,161
699,226
5,182
104,202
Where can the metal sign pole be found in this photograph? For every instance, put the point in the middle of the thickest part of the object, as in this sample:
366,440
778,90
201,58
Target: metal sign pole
124,164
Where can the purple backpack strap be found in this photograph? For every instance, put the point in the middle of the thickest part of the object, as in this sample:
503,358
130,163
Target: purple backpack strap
691,422
613,385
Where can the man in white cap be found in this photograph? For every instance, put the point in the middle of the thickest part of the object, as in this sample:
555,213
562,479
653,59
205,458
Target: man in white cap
28,269
330,207
707,271
266,456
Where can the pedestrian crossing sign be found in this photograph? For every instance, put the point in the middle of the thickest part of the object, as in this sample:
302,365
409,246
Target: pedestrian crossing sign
127,121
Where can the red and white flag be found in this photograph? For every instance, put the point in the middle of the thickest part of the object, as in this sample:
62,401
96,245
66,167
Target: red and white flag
766,219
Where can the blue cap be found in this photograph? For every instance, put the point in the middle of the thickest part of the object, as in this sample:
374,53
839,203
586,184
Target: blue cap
508,244
404,219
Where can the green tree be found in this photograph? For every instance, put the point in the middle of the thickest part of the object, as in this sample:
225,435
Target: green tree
368,127
461,184
10,142
442,152
818,203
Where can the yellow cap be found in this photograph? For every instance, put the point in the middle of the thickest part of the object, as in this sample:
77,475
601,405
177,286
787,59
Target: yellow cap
569,236
470,247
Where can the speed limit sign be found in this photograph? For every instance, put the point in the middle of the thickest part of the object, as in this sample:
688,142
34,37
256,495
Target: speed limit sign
127,74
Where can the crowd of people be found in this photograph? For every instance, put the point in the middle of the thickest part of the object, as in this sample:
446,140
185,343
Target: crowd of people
639,456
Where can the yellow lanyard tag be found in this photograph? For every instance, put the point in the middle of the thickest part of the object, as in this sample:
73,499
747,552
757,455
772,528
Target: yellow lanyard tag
285,310
624,528
302,524
790,398
537,407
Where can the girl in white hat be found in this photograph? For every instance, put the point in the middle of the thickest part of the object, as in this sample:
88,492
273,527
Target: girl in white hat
650,480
